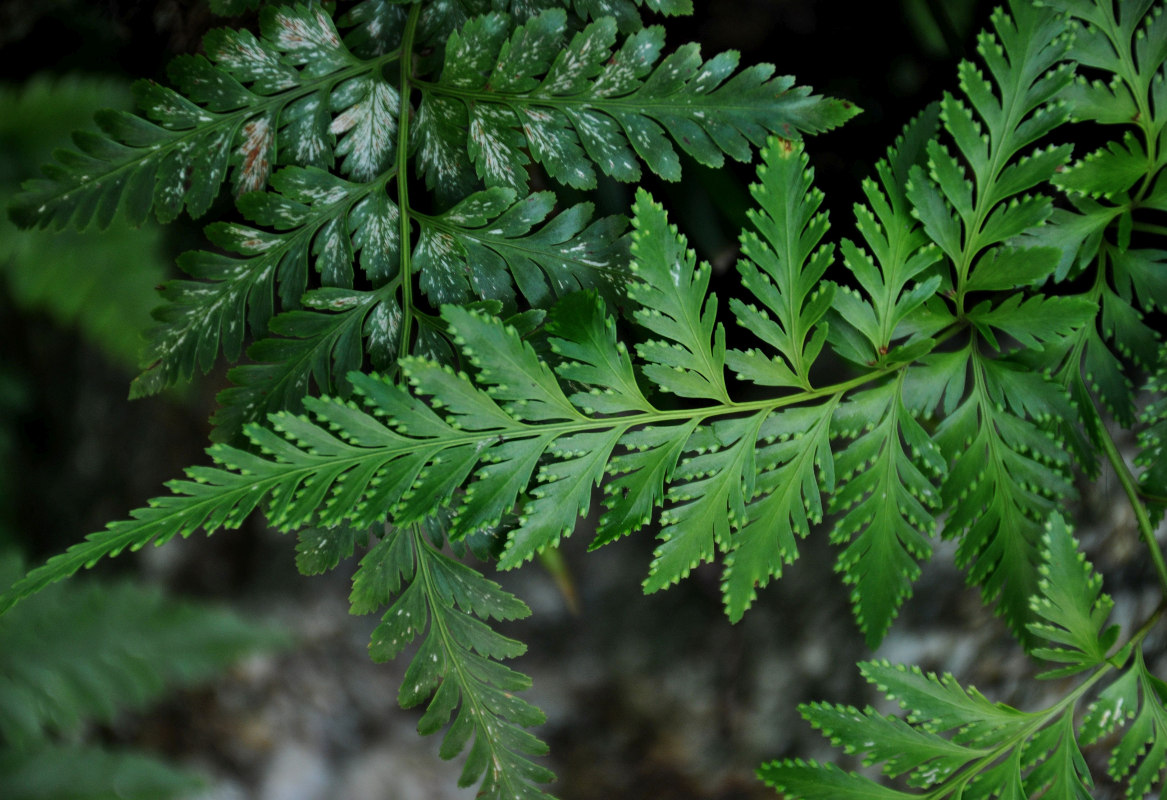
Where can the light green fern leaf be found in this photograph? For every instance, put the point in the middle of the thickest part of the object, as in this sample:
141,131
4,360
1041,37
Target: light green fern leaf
1071,606
455,668
953,743
784,271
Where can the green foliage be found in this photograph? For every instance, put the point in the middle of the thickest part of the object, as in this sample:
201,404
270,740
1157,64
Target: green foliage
88,773
956,743
137,644
111,298
432,376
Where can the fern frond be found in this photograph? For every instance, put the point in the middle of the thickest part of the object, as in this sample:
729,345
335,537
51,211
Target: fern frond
784,271
1071,606
75,772
886,488
137,643
1152,440
899,252
456,666
230,110
493,242
323,221
625,12
571,101
1110,189
673,293
1137,700
1006,477
954,743
973,220
319,344
510,244
512,428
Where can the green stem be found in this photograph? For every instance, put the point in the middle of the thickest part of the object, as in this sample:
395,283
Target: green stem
405,268
1147,227
1146,529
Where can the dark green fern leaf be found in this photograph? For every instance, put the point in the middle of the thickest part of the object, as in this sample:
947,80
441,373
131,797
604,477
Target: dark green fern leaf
136,642
1006,477
1136,701
886,488
318,345
323,223
493,242
1153,441
508,95
229,112
76,772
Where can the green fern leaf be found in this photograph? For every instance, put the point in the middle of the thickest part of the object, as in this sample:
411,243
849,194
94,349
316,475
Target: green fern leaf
446,602
1072,608
230,113
327,222
675,303
340,327
503,90
1152,439
784,271
584,336
625,12
491,242
1141,755
1032,322
137,642
886,489
1108,172
1006,477
954,743
810,780
794,444
971,220
75,772
899,252
927,757
320,345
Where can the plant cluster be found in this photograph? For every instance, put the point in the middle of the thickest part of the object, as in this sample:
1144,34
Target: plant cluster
437,367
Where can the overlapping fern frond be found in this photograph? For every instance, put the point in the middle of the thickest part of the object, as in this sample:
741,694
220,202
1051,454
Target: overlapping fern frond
341,112
967,401
956,743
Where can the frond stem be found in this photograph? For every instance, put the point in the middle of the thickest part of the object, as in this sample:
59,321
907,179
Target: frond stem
405,268
1130,486
1148,227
